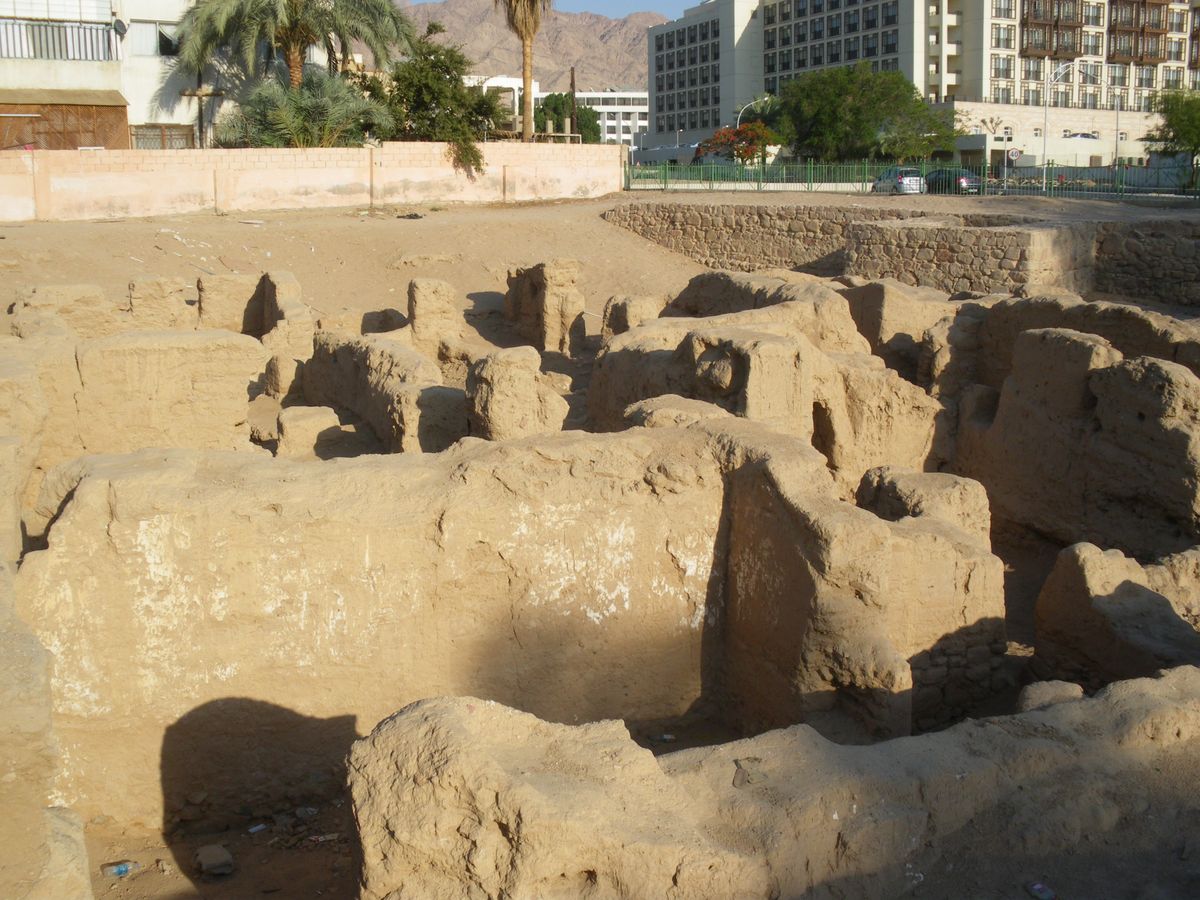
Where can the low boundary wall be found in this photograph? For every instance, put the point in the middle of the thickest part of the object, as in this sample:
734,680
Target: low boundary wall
77,184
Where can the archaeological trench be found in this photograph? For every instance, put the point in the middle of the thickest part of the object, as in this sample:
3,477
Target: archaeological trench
873,552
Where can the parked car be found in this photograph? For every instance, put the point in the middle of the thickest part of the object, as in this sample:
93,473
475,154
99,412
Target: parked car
953,181
899,180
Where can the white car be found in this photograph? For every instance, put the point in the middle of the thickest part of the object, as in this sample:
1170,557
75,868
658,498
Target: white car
899,180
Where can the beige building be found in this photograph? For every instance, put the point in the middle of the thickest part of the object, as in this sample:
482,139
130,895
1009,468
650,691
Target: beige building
1077,75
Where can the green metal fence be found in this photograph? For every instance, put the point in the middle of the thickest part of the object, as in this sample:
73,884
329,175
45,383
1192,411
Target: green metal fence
863,177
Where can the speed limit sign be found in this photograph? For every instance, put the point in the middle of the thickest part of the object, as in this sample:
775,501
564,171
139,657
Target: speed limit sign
1014,154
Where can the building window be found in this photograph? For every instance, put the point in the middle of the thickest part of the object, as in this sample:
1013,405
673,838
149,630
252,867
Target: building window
852,19
801,32
871,17
818,29
703,33
891,43
834,24
658,47
1172,79
818,6
1032,96
852,45
801,57
1175,49
785,36
769,63
769,14
1004,37
715,28
818,55
891,13
1093,43
691,34
1002,66
1089,73
1031,69
1037,132
870,45
833,52
1093,14
1004,9
1177,21
1001,93
785,60
769,39
801,7
152,39
716,51
1145,77
1118,76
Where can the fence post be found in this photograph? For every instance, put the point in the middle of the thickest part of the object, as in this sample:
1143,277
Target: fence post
987,171
809,173
665,176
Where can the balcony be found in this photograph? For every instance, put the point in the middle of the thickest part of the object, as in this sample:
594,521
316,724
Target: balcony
954,48
68,41
1037,12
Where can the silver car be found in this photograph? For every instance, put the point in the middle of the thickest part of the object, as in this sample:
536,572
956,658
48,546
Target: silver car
899,180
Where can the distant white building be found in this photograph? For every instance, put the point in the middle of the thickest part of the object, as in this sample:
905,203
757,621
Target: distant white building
624,115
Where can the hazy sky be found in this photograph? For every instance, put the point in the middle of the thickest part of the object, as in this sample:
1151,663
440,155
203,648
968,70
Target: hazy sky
617,8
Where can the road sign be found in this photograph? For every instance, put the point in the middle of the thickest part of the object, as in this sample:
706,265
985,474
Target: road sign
1014,154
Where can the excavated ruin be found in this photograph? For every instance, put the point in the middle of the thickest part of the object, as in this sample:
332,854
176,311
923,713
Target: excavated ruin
783,585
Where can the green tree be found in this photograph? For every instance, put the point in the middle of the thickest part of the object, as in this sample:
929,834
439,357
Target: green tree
290,27
848,112
324,111
555,109
918,131
428,100
745,143
524,18
1179,131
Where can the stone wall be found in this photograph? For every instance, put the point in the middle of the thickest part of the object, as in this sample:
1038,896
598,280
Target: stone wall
1153,261
1156,261
746,238
939,253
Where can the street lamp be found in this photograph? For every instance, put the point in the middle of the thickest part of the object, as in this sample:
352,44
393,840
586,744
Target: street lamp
755,102
1050,81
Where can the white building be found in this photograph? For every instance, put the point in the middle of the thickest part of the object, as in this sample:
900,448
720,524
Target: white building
998,63
624,115
93,73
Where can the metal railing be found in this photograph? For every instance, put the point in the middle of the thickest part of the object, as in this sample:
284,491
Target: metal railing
864,177
69,41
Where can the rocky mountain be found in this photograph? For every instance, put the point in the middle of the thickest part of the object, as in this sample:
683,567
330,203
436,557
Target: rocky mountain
606,53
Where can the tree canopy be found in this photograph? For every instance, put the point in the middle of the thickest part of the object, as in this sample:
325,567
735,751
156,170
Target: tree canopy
324,111
427,100
1179,130
555,109
745,143
850,112
290,27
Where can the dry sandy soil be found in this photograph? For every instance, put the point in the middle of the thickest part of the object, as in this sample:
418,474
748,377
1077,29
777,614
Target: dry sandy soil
352,261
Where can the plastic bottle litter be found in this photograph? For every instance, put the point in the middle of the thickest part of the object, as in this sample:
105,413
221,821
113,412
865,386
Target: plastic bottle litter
120,868
255,829
1040,891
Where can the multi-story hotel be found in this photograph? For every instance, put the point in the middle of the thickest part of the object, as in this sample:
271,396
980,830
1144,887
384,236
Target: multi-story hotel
1000,64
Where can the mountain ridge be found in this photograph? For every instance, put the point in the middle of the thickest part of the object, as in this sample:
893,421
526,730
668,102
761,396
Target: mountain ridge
606,52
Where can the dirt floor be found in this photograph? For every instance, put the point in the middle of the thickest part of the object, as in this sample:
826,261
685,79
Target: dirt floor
354,261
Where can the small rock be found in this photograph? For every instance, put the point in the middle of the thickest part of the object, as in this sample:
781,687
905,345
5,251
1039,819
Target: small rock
164,867
1041,694
213,859
306,812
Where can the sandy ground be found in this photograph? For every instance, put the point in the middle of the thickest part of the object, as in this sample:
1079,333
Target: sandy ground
355,261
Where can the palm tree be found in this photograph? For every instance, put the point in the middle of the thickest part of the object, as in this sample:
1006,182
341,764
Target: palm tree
290,26
524,19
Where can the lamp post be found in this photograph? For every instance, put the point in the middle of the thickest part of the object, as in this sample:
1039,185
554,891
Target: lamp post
738,123
1050,81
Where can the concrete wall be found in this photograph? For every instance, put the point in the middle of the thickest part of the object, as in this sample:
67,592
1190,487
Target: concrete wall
57,185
